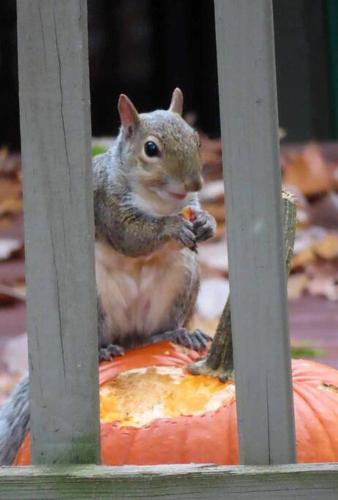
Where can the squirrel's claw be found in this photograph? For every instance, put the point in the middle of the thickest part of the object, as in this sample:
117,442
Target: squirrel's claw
204,226
186,235
196,340
199,339
110,351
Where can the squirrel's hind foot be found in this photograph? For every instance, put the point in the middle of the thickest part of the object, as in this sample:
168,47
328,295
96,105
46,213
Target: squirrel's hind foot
196,340
110,351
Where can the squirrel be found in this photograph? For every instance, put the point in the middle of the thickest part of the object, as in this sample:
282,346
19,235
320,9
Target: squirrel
147,272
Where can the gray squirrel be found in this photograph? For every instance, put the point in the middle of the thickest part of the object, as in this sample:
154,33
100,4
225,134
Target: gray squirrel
147,272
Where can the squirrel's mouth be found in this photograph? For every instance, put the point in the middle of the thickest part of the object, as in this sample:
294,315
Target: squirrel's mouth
177,196
171,195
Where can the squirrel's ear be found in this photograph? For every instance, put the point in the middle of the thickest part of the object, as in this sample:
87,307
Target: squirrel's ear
176,105
128,114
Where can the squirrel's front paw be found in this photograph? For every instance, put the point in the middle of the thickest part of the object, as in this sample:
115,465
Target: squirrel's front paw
196,340
110,352
182,231
204,226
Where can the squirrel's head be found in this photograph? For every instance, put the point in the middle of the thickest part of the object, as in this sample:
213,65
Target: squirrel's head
160,150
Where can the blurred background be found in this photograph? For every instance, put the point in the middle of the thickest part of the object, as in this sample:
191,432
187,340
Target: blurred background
147,47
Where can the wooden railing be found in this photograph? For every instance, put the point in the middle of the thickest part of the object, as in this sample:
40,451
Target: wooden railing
59,237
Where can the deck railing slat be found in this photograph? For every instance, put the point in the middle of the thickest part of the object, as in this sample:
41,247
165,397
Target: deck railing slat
59,229
170,482
247,88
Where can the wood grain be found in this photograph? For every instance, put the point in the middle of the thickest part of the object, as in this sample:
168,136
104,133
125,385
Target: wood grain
189,482
247,89
59,229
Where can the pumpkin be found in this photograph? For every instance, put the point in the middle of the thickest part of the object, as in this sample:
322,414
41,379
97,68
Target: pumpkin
153,411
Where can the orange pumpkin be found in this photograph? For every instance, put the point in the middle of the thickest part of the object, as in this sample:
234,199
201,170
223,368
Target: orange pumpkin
153,411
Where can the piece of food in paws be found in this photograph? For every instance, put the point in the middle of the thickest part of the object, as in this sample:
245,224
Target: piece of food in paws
189,213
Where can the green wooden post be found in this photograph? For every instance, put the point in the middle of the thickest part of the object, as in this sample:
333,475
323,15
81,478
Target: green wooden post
59,230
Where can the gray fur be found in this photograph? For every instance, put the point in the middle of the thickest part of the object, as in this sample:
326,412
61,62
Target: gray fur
14,422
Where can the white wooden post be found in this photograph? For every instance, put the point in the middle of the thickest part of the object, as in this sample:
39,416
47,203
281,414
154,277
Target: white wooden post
247,90
59,230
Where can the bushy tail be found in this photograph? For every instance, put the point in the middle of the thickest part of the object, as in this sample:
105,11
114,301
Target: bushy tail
14,422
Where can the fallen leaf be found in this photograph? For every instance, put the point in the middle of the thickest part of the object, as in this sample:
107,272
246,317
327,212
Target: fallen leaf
335,177
302,259
10,164
308,171
10,206
10,196
324,286
327,248
297,285
324,211
10,295
220,231
211,150
327,268
305,243
15,354
9,248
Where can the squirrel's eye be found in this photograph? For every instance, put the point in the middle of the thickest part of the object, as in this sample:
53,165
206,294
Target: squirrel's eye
151,149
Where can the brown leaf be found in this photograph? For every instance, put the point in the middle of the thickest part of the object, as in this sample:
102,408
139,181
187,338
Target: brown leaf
324,211
335,177
10,196
327,268
9,295
324,286
297,285
10,164
327,248
10,206
220,231
302,259
308,171
10,248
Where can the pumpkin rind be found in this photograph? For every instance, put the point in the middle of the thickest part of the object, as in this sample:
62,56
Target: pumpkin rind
211,437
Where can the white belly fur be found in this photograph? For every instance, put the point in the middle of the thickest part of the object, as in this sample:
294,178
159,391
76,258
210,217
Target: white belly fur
137,293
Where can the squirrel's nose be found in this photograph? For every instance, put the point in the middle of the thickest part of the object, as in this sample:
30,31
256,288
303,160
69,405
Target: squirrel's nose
192,185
